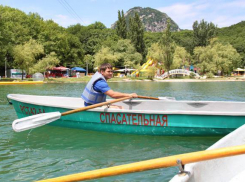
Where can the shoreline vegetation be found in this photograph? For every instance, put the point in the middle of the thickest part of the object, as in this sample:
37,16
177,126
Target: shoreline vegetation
142,79
85,79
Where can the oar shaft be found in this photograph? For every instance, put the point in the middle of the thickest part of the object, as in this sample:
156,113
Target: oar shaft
94,106
104,103
145,97
152,164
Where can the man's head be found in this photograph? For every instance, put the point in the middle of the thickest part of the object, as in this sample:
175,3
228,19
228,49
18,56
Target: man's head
106,70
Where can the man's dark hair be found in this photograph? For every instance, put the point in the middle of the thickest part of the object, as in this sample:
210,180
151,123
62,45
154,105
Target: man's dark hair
104,66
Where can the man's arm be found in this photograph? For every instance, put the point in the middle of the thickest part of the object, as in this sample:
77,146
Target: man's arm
102,86
117,95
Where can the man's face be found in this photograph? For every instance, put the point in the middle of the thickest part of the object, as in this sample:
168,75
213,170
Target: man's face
107,73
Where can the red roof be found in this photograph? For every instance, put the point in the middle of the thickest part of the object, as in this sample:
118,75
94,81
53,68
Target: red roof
60,68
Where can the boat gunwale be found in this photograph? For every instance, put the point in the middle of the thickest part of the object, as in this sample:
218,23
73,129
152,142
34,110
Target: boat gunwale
103,109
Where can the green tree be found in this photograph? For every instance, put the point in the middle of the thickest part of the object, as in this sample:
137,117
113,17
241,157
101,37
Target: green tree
93,37
25,55
235,36
150,72
126,54
70,50
203,32
121,26
168,47
88,59
202,59
53,38
136,34
184,39
2,41
217,57
181,58
97,25
121,54
45,63
35,25
151,38
155,52
14,31
124,26
105,55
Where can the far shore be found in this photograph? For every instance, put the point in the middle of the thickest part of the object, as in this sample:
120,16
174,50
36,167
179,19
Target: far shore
201,80
85,79
82,80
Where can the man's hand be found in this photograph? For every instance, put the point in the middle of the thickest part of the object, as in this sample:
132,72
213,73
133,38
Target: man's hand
133,95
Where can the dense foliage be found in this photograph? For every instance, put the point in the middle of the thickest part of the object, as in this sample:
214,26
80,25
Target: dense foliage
136,34
122,54
31,43
168,47
235,35
203,32
121,25
216,57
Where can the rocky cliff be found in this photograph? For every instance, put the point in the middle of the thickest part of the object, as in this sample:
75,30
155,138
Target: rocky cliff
152,19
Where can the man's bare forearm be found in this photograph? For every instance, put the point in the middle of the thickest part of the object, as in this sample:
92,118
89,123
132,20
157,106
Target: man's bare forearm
117,95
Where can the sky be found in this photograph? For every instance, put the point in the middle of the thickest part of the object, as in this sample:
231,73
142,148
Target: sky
222,13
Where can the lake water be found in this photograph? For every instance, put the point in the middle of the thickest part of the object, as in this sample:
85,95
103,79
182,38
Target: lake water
48,152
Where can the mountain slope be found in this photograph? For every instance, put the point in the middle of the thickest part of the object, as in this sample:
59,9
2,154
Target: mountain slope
152,19
234,34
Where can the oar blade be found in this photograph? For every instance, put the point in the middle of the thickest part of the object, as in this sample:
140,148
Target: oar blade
167,98
34,121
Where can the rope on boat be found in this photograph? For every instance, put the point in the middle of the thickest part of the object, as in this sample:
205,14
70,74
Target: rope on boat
152,164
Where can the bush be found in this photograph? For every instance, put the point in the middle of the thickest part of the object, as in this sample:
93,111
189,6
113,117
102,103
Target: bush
151,72
6,79
192,75
210,75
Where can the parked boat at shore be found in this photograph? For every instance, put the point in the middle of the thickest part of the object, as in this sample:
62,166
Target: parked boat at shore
230,169
149,117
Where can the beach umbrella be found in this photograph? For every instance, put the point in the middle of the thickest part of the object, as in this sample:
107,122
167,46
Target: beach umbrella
78,69
239,69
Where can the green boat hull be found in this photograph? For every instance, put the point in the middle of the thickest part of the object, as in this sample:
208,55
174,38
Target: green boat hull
138,123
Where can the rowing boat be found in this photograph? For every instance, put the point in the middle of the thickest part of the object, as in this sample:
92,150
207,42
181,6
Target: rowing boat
230,169
166,116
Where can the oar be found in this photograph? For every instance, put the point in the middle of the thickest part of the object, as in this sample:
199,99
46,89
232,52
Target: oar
163,162
45,118
41,119
145,97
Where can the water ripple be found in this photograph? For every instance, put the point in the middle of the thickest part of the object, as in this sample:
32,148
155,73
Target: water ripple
48,152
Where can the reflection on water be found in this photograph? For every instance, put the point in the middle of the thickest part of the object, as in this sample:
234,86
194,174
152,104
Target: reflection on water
48,151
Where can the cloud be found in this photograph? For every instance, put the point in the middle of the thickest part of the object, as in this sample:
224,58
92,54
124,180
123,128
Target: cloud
233,4
219,12
184,14
225,21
